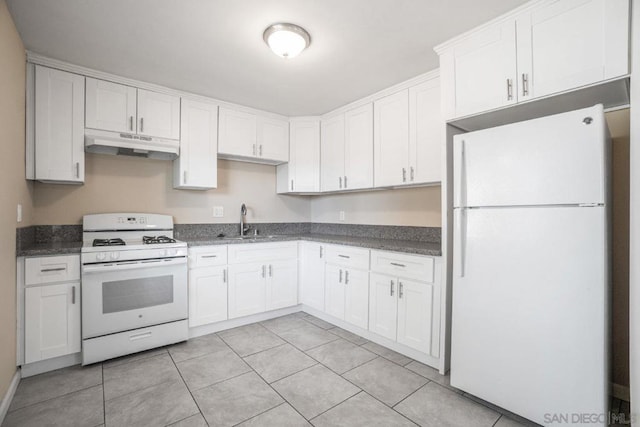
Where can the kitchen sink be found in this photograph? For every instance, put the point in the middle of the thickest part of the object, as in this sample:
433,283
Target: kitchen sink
258,237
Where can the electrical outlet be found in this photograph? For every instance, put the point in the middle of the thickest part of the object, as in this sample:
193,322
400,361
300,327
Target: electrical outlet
19,213
218,211
341,215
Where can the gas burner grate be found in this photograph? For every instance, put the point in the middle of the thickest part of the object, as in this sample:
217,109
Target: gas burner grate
149,240
108,242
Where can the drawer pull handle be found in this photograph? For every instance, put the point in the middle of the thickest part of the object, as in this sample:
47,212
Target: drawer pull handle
73,295
209,256
140,336
48,270
344,256
397,264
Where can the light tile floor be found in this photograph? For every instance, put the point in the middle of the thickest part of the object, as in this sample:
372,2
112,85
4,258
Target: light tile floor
295,370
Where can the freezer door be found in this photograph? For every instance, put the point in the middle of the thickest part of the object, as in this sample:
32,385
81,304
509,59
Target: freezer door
554,160
529,328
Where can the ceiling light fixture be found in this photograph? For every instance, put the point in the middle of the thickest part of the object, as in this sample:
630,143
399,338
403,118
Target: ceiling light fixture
286,40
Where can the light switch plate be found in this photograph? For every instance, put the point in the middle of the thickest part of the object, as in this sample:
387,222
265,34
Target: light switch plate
218,211
19,213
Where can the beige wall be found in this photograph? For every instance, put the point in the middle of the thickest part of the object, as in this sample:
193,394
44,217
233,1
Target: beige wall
14,188
619,128
409,206
130,184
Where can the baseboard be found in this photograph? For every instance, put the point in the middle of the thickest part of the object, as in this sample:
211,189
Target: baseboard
47,365
8,396
620,392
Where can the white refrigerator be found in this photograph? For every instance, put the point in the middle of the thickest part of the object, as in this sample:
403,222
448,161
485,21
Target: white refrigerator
531,267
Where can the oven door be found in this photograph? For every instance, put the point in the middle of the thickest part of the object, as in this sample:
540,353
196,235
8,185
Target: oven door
132,294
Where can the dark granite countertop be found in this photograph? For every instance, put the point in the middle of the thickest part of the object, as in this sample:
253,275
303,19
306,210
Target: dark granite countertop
407,246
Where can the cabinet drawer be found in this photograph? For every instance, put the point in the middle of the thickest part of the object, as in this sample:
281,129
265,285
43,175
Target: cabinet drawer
403,265
51,269
257,252
207,256
348,256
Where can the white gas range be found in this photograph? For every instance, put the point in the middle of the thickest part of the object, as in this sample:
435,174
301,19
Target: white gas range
134,285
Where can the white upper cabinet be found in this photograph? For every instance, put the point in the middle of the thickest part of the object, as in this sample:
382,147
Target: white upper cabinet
571,43
121,108
542,49
273,139
58,131
302,173
332,153
249,137
426,133
158,114
197,166
391,139
358,148
111,106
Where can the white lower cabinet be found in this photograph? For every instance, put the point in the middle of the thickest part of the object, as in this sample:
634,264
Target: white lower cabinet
405,310
311,275
262,276
51,313
356,306
207,295
335,292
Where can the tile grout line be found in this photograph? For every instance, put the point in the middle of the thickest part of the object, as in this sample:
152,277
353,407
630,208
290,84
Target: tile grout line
392,408
189,390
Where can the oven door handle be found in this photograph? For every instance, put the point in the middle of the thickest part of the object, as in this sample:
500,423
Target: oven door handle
132,265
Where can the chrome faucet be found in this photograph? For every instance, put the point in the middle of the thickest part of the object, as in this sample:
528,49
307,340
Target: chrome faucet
243,226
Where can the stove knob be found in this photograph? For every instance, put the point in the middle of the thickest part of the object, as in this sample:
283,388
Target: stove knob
101,256
115,255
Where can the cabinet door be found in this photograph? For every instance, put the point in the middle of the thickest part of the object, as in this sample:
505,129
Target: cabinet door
282,284
237,133
110,106
332,153
273,139
426,133
197,166
383,305
158,114
312,274
207,295
52,321
358,154
247,289
356,309
567,44
391,139
415,314
59,126
304,160
334,291
484,67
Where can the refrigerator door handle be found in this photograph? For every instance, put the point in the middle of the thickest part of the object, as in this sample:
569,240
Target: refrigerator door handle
461,182
460,234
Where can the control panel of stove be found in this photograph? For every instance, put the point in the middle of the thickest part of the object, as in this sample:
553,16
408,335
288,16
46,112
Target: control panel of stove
133,220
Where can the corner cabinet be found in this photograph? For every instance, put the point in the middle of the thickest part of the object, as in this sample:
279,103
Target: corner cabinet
408,136
302,173
197,166
55,126
249,137
541,49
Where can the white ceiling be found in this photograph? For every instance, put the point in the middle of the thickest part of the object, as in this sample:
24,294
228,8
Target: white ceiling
215,47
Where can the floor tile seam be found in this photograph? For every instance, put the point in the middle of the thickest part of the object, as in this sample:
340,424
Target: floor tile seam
257,415
337,404
359,345
144,388
134,360
410,394
261,351
190,394
289,375
500,413
389,406
182,419
219,382
368,361
392,408
56,397
329,368
272,388
199,355
315,346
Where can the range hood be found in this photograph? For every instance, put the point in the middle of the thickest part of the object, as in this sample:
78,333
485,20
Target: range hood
127,144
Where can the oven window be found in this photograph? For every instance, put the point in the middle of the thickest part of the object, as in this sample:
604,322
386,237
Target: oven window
131,294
